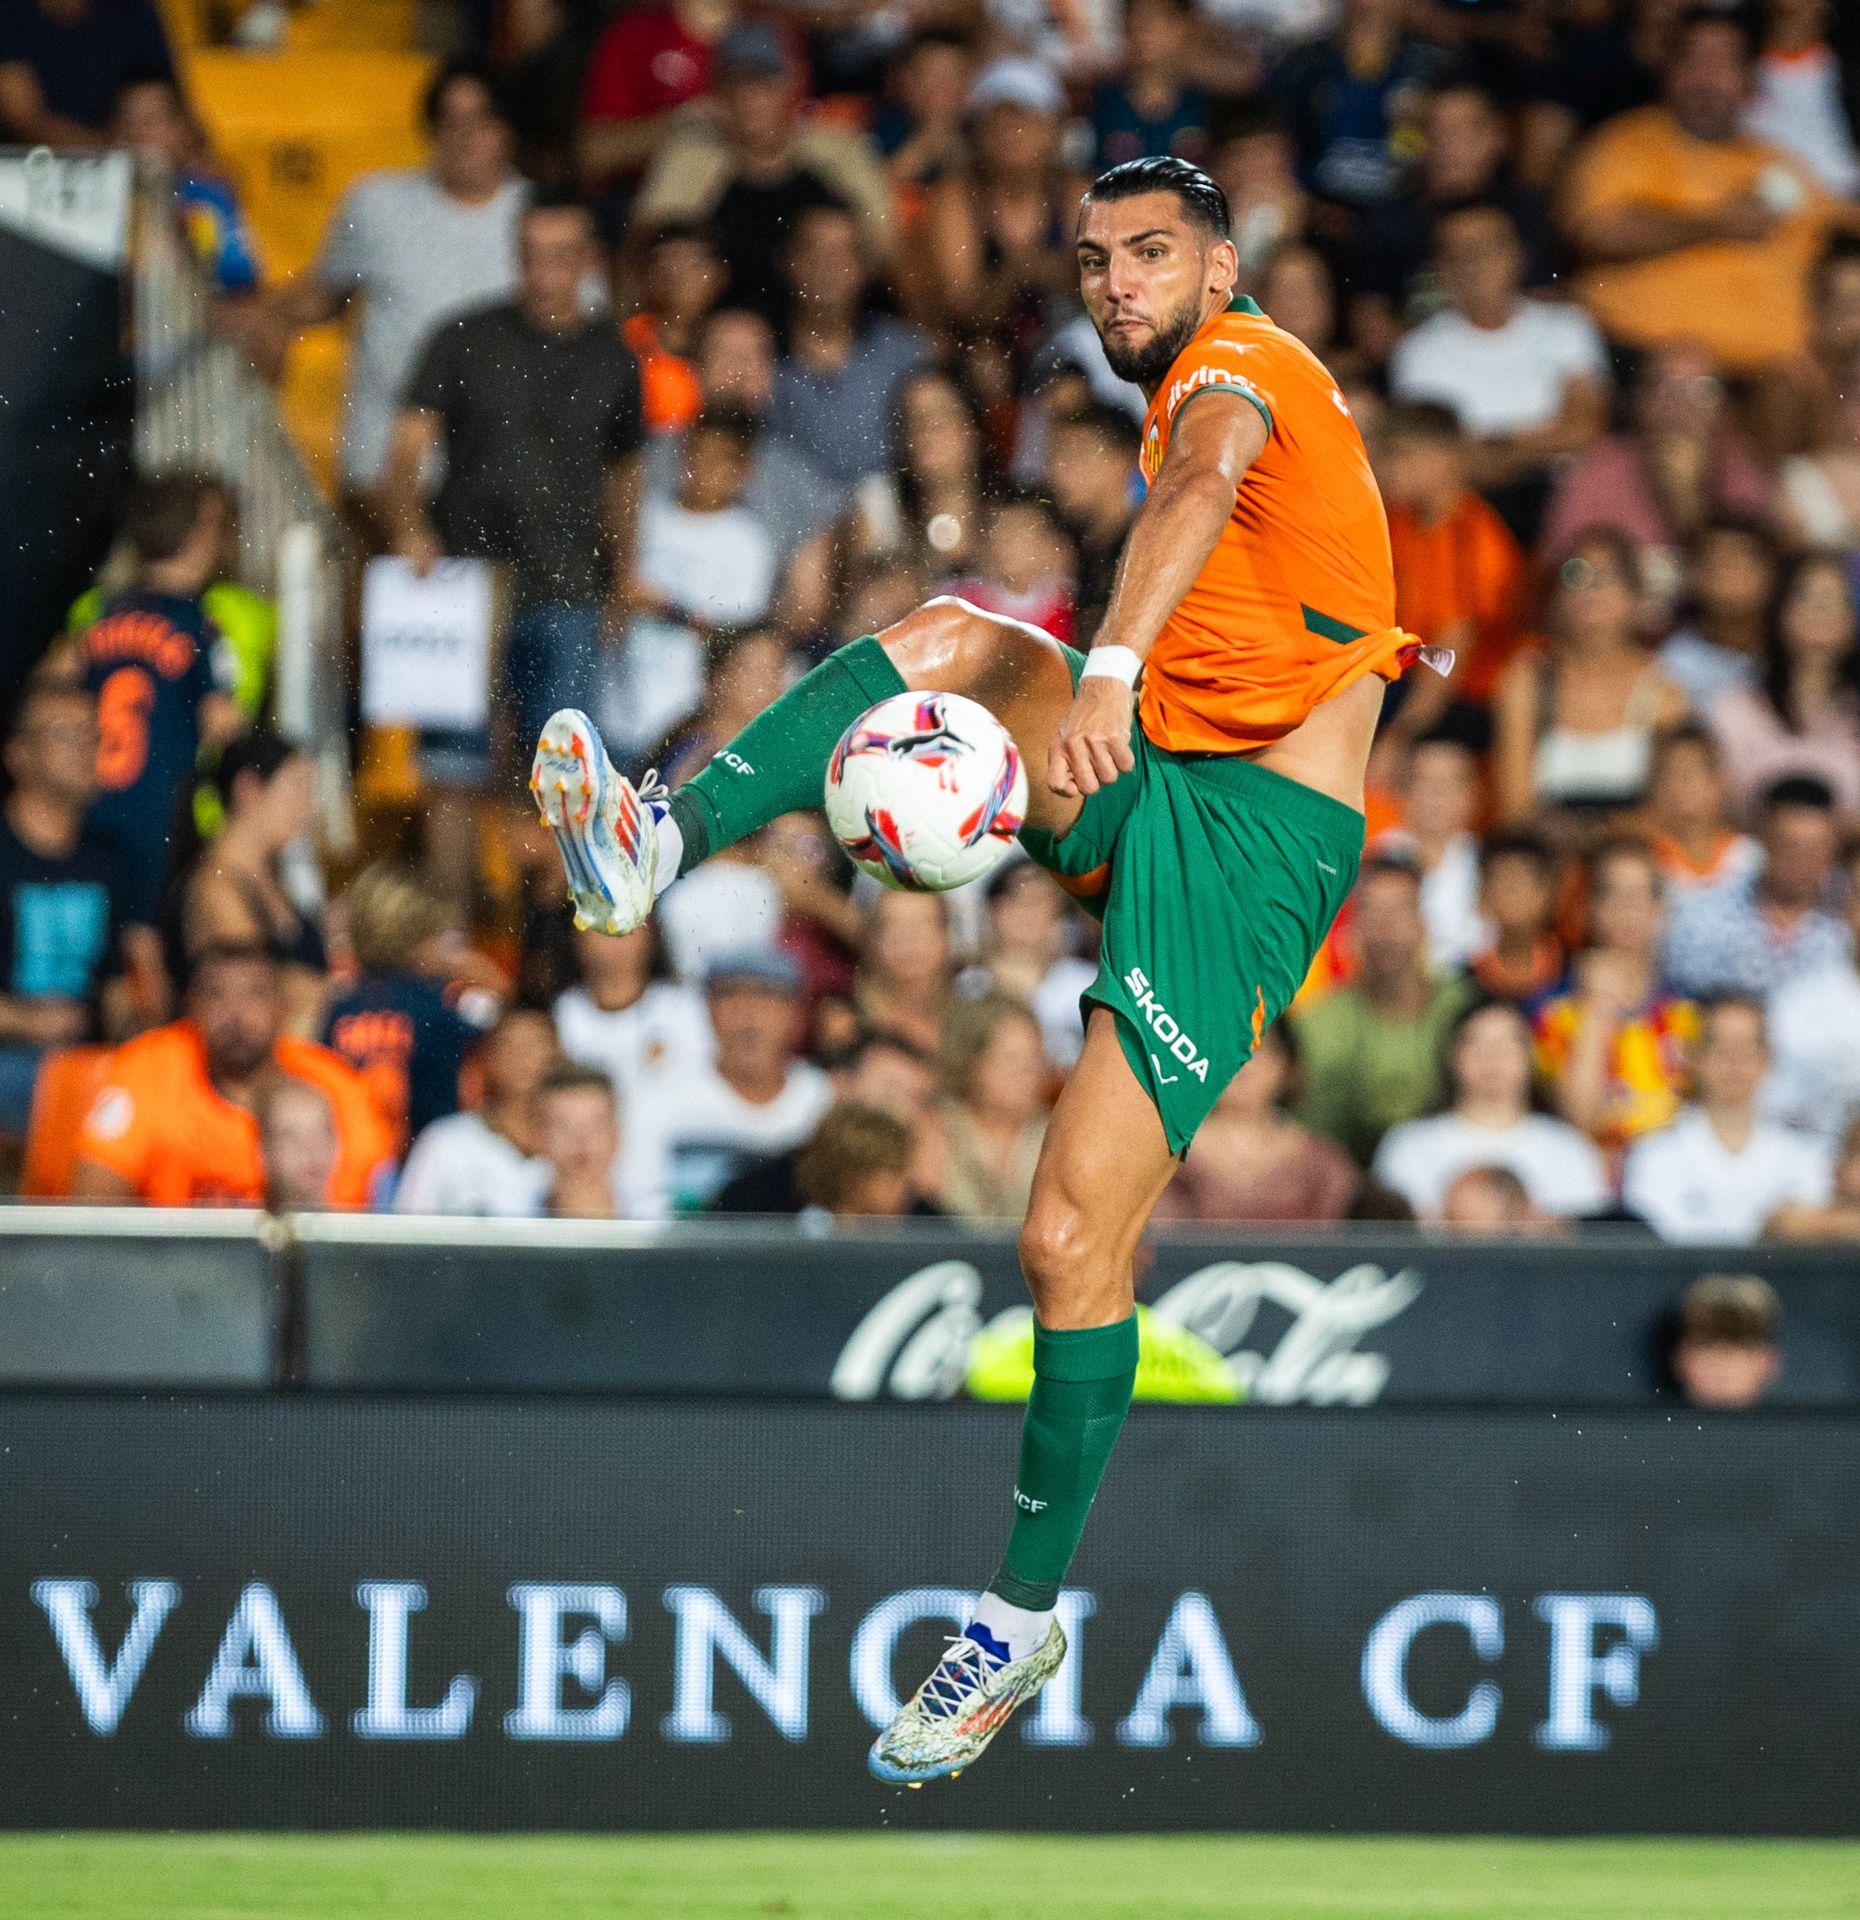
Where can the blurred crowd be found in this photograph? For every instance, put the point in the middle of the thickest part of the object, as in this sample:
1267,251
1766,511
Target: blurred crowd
731,334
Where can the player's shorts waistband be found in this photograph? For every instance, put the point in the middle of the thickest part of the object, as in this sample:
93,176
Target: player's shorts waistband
1236,774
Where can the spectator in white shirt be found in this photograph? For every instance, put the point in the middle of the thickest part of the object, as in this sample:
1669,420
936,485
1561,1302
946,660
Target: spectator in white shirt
1839,1219
755,1099
643,1034
414,247
1528,379
483,1162
1815,1037
704,564
620,1019
1490,1124
1797,103
1719,1172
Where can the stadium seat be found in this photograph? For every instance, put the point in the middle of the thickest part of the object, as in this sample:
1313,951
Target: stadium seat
293,129
69,1080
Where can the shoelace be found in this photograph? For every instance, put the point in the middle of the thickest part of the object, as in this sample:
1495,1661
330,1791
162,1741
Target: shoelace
964,1669
653,792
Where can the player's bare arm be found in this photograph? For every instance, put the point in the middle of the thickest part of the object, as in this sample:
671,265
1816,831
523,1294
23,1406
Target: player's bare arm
1216,439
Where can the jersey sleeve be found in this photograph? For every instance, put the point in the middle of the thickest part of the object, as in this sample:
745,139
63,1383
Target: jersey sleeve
1216,365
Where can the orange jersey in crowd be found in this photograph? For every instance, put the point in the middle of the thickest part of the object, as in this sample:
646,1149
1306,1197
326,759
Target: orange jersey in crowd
1298,598
160,1123
1465,571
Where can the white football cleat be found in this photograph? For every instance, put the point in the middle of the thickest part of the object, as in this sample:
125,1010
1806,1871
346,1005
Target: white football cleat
962,1706
606,828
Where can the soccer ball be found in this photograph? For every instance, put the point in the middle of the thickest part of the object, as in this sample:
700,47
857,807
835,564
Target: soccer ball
926,791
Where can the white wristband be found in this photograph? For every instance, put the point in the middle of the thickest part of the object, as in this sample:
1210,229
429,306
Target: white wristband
1122,664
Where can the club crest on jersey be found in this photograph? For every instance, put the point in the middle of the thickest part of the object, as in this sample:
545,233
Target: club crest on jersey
1164,1024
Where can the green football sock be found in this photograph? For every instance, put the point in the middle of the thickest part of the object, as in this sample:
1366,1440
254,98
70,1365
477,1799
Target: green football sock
778,763
1082,1382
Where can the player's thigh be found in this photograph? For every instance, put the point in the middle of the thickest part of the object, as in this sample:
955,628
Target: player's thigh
1103,1166
1016,671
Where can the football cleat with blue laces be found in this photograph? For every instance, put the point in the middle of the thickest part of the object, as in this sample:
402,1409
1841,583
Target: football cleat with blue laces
605,828
962,1706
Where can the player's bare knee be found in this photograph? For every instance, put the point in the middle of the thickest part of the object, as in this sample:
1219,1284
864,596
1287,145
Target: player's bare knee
941,645
1070,1263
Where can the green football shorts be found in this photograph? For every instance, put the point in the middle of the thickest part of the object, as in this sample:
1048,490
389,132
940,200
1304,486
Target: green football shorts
1223,881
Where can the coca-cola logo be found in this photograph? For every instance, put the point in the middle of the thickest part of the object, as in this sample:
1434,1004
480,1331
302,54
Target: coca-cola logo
1315,1358
914,1342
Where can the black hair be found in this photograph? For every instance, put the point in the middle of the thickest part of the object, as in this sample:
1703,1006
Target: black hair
1427,420
145,75
1843,250
1201,197
728,418
1107,422
1695,18
1620,547
1391,859
1474,203
227,953
910,489
1777,689
260,752
448,76
1535,1096
163,509
1796,790
1710,1005
667,233
573,1077
1007,494
1515,843
556,200
1685,733
1247,117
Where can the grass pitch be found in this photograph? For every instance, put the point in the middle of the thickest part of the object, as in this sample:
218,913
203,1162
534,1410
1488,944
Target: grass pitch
880,1877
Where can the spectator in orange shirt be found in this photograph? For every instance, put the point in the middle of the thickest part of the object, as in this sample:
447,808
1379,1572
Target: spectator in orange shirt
1459,574
177,1122
1690,228
683,281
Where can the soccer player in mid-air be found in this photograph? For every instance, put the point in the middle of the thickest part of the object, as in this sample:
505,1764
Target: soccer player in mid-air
1203,793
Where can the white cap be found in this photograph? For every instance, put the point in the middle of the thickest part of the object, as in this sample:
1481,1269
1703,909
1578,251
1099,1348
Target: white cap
1017,82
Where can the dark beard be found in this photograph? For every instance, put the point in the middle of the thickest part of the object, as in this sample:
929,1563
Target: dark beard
1147,365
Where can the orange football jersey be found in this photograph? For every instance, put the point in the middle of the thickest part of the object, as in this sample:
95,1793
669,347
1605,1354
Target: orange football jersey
1298,598
162,1125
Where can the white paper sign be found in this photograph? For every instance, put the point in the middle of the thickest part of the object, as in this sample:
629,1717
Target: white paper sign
426,645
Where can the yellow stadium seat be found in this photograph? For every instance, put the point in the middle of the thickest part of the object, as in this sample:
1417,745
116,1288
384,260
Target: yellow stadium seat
294,128
374,26
310,399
